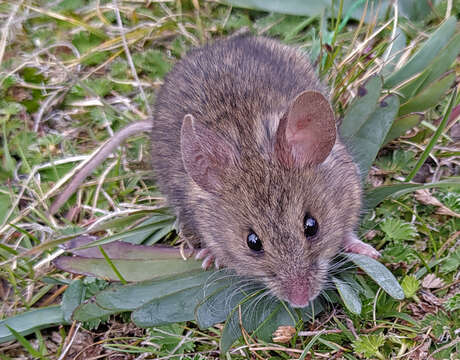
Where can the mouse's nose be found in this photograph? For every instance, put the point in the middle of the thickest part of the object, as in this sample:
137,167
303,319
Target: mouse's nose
299,294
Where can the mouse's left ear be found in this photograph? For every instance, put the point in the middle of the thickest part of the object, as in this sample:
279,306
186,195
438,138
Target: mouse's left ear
205,154
307,132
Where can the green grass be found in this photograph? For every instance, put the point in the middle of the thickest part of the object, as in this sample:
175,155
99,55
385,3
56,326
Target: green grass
67,83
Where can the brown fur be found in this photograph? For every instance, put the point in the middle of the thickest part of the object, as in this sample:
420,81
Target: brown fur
240,89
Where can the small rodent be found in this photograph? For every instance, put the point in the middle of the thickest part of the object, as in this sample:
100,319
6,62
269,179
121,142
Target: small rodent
245,147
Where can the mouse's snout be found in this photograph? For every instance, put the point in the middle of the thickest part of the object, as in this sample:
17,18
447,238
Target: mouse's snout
299,291
299,296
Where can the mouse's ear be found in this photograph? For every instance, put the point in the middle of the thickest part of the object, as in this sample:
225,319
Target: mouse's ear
307,132
204,153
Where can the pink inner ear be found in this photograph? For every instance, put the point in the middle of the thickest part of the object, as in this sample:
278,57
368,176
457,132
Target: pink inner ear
205,154
310,130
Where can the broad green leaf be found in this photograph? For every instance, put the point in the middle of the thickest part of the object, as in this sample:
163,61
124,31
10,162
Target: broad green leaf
29,321
428,97
122,250
270,316
401,125
89,311
362,108
254,309
73,296
367,142
127,221
178,301
132,296
261,314
141,236
351,8
131,270
379,273
159,234
440,64
394,52
429,50
415,10
375,196
216,306
138,231
444,60
283,314
349,296
171,308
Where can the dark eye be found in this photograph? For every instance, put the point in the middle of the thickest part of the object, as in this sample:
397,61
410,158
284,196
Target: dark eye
310,225
254,242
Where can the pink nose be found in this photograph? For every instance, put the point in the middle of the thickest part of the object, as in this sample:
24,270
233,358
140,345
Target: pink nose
299,296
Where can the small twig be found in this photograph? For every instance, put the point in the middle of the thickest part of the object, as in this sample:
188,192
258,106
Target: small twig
316,332
374,307
447,286
452,343
363,45
69,345
351,327
274,348
182,341
448,9
49,102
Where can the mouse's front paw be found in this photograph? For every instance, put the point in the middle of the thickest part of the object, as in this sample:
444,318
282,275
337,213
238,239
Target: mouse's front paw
353,245
208,259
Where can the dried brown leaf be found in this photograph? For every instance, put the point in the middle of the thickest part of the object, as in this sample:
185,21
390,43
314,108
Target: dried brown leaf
431,281
431,298
283,334
424,196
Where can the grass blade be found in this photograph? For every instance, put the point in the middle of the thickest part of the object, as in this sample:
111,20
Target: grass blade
435,137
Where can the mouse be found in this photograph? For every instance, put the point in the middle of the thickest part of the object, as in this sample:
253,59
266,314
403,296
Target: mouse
245,148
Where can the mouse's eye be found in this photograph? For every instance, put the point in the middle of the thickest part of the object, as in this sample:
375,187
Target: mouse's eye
254,242
310,225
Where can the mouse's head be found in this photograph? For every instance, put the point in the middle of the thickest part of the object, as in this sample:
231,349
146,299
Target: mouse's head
277,206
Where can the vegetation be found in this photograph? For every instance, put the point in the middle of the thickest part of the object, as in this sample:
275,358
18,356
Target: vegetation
73,72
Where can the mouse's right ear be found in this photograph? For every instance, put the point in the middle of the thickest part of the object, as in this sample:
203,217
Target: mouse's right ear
205,154
307,132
